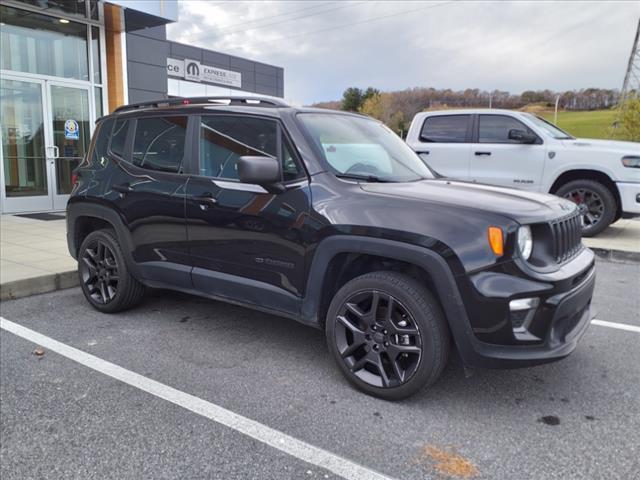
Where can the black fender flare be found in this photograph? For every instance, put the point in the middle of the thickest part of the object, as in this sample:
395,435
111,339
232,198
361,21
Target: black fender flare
102,212
433,263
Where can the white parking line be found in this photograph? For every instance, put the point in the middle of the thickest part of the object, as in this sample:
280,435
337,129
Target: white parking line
619,326
274,438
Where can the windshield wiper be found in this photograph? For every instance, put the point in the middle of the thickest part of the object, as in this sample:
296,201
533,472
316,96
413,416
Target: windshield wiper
366,177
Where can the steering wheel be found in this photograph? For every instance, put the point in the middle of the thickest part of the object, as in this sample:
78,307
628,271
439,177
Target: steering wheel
362,168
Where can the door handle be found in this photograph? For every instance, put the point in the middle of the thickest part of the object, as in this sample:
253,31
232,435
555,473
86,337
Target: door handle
124,188
205,200
56,151
483,153
419,152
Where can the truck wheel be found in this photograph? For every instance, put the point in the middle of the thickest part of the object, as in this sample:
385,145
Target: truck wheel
595,202
104,277
388,335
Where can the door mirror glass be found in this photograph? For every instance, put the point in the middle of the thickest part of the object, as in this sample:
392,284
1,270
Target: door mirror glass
263,171
521,136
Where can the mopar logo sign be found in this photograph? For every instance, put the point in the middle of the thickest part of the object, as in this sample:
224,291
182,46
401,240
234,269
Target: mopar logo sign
196,72
192,70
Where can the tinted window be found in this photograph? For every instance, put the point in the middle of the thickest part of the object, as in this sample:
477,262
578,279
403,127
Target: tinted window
445,129
102,140
159,143
223,140
119,137
291,170
495,128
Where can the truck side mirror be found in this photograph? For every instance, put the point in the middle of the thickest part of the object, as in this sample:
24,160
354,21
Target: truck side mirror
521,136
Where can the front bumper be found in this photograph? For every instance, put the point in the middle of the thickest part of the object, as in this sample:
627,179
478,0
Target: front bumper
562,316
629,197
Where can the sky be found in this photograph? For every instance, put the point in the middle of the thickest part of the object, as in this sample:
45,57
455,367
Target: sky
327,46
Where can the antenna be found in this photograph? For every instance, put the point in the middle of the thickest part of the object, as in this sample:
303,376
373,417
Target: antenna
631,84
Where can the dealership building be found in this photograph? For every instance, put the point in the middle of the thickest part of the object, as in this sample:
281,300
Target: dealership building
64,63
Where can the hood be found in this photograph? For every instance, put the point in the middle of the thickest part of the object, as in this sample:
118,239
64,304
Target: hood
608,145
519,205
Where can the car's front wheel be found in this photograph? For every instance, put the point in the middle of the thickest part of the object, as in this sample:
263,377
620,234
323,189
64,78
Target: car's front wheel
104,277
388,335
596,204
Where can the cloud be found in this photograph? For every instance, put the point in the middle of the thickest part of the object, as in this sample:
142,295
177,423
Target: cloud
327,46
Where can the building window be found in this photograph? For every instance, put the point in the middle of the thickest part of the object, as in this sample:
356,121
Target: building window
35,43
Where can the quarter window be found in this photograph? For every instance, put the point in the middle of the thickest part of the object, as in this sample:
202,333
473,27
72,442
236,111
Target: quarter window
445,129
119,137
495,128
102,140
159,143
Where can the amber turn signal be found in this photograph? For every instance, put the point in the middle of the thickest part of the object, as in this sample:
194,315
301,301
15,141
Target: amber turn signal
496,241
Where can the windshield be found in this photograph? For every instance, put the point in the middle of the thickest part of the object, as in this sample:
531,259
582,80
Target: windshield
549,128
361,148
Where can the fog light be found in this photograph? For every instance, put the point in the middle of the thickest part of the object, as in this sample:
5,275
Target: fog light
523,304
522,311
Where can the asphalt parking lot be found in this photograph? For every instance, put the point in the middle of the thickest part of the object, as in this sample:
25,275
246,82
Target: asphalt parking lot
578,418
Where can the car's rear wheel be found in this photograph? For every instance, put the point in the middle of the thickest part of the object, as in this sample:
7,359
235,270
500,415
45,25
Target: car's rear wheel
595,202
104,277
388,335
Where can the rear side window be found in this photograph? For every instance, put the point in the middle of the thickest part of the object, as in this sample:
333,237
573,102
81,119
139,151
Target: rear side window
495,128
119,137
159,143
102,140
445,129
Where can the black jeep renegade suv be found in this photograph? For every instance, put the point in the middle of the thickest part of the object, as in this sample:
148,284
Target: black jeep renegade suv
330,219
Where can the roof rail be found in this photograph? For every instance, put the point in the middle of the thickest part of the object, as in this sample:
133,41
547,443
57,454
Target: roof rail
165,102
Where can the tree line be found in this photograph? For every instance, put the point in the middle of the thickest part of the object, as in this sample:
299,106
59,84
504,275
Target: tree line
398,108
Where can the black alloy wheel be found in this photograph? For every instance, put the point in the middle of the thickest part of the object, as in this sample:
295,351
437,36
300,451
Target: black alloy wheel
590,206
596,204
99,272
378,339
104,276
387,334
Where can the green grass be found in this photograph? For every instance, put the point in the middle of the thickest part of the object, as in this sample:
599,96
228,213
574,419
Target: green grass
589,124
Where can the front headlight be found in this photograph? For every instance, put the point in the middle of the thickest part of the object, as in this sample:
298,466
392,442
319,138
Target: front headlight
631,161
525,241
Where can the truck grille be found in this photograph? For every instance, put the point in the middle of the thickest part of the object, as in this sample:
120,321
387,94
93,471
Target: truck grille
567,237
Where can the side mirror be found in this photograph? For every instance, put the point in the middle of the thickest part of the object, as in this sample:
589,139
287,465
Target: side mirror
263,171
522,136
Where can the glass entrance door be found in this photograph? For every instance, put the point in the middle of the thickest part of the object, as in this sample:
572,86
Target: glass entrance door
24,146
46,130
70,135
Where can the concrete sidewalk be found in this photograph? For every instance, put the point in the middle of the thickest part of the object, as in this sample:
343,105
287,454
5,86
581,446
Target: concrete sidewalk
34,257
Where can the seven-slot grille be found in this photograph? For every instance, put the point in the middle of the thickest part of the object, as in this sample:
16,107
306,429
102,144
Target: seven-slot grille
567,237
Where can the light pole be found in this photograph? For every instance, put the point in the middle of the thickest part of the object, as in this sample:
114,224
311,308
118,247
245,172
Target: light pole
555,115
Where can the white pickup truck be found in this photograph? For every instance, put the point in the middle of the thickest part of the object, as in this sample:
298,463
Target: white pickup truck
518,149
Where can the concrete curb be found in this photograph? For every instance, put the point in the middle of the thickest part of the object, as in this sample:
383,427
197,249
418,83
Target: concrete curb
623,256
38,285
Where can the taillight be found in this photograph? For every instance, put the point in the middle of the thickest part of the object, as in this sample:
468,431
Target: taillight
74,178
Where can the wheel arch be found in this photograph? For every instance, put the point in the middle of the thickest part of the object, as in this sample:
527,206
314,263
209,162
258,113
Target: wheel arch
340,258
84,218
589,174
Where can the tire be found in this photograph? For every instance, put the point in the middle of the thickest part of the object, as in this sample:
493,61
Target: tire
104,277
364,354
597,204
